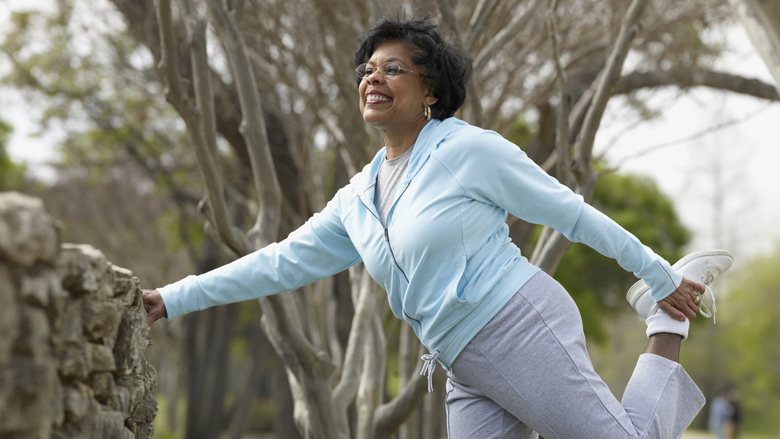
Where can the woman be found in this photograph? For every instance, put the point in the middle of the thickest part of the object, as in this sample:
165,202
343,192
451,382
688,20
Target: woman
427,218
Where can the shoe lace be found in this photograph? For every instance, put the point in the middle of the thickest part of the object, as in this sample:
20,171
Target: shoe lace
708,278
704,309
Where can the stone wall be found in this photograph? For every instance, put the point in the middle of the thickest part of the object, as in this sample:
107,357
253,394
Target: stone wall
72,336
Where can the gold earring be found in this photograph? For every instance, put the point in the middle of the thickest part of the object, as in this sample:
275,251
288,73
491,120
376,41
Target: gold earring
427,112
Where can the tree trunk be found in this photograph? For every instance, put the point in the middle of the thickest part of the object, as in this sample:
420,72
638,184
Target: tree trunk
207,342
245,395
408,354
434,421
761,19
170,362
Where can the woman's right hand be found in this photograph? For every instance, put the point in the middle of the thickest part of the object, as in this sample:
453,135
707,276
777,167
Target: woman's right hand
154,306
683,302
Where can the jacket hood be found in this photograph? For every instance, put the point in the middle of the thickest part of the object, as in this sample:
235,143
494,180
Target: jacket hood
431,135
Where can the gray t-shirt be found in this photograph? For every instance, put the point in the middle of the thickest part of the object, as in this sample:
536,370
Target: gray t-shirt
390,174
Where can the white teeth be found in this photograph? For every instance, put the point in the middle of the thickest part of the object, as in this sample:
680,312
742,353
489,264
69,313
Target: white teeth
376,98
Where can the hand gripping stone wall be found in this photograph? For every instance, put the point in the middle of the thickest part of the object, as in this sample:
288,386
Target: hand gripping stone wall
72,336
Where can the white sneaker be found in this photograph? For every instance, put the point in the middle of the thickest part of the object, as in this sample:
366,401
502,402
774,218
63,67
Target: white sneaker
701,266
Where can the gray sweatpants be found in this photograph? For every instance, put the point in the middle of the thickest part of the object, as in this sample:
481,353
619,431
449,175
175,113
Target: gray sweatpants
528,371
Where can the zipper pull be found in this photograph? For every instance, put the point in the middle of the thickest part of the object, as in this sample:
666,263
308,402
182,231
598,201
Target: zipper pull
387,238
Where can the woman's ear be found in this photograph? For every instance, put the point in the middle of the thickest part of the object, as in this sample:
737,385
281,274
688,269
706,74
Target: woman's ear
429,98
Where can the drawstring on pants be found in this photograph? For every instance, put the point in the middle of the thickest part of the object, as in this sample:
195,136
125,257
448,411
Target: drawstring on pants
429,365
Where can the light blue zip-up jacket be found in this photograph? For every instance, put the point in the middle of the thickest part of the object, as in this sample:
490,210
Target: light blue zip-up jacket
445,258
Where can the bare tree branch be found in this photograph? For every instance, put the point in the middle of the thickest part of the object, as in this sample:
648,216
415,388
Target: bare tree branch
504,36
308,376
390,415
201,72
628,28
174,91
195,119
347,387
556,246
578,112
269,194
376,10
761,20
478,19
409,346
372,378
562,130
686,78
338,134
477,114
332,314
448,15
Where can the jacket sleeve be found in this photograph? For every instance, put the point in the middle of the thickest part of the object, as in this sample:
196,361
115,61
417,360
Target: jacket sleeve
318,249
499,172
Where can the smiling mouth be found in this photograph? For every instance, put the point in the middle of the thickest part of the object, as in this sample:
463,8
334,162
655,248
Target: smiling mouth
377,99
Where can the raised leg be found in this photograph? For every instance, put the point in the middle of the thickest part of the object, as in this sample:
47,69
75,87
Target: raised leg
665,345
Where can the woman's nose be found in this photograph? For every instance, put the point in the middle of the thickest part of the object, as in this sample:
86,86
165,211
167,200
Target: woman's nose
374,77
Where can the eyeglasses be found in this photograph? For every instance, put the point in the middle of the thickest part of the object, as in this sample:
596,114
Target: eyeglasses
388,70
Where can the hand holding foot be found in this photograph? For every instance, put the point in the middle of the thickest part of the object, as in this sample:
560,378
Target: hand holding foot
683,302
699,269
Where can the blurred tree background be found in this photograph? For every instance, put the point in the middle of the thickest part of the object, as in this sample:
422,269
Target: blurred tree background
128,183
11,174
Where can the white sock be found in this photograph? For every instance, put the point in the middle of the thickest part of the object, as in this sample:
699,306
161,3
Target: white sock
663,322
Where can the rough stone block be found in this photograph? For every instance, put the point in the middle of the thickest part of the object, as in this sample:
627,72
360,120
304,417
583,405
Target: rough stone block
9,315
77,401
111,425
102,358
135,387
33,341
132,299
137,305
123,280
27,233
127,299
130,343
144,431
150,376
100,319
83,424
102,383
26,391
38,286
75,360
57,404
69,327
85,271
146,410
120,400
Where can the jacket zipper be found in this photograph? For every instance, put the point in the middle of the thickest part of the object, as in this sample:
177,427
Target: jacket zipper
387,240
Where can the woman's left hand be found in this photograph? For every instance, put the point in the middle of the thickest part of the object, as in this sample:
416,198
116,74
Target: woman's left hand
154,306
683,302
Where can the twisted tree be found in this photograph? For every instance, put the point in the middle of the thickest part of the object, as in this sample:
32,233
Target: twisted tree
269,83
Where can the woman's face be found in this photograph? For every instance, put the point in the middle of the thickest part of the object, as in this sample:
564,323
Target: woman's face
394,103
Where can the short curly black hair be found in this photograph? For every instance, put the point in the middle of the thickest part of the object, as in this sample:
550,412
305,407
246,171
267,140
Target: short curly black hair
446,68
